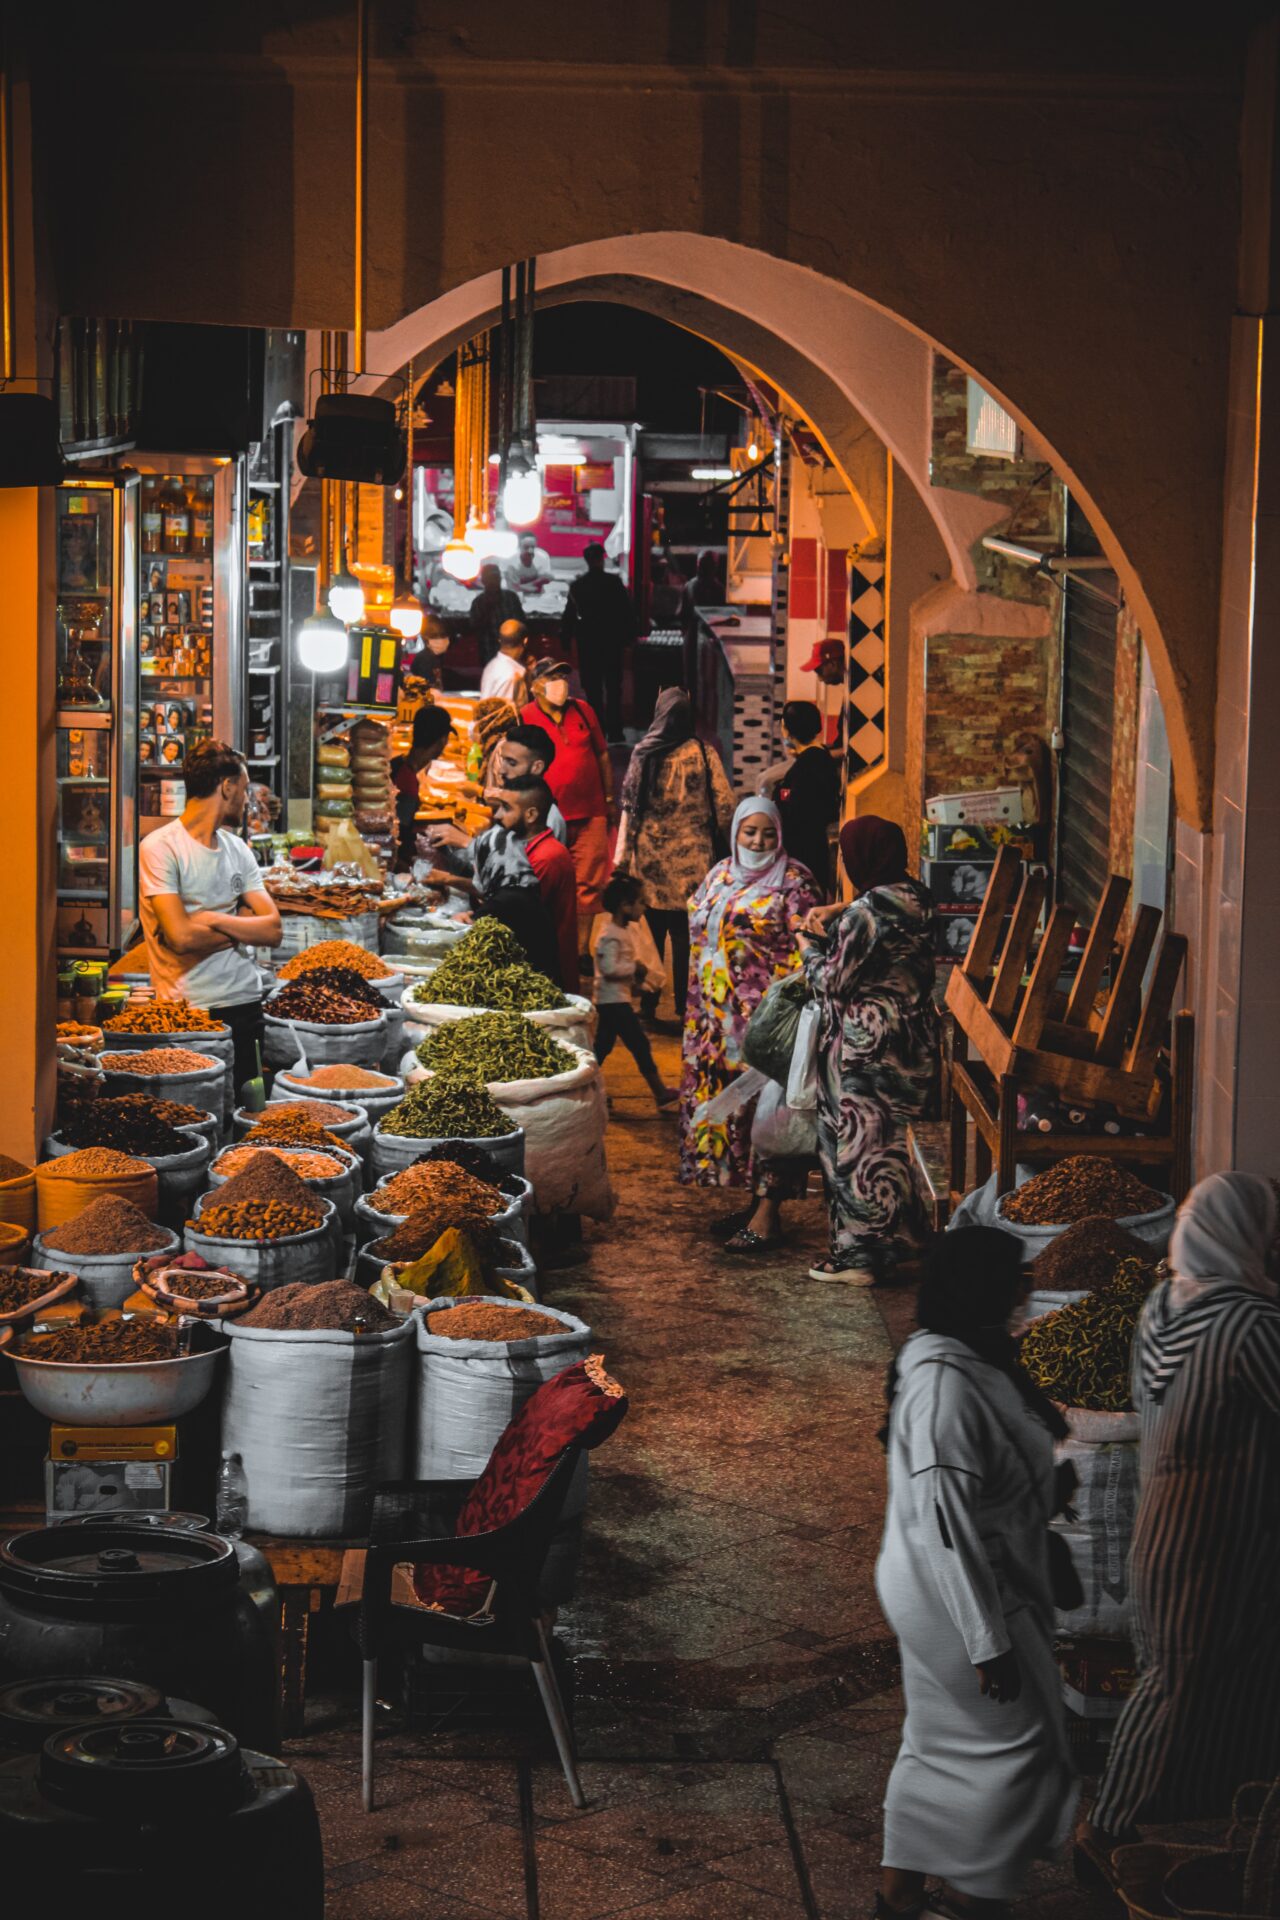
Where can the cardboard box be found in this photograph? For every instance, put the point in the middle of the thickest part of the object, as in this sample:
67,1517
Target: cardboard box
953,931
987,806
102,1486
1097,1677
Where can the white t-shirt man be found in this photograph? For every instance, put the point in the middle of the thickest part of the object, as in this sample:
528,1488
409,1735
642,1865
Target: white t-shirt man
527,574
205,879
503,679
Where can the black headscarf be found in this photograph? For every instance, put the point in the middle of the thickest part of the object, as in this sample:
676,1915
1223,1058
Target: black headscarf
972,1281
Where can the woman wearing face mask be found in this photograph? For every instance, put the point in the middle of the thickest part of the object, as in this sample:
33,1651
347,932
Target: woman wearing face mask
1205,1559
742,937
983,1784
871,968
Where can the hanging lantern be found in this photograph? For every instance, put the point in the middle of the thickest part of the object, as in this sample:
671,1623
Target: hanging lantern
346,598
406,614
522,495
459,558
322,643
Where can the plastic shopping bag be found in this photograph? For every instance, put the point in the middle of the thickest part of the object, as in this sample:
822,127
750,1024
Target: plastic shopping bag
771,1031
802,1079
780,1131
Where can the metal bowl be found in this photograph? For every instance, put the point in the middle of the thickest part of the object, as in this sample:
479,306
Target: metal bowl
136,1393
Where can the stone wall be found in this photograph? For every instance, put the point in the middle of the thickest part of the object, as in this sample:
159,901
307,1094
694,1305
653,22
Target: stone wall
982,691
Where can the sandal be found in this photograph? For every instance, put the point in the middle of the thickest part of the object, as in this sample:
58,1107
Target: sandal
847,1268
731,1223
746,1240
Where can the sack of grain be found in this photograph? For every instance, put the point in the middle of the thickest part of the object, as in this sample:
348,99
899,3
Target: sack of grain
1098,1539
466,1392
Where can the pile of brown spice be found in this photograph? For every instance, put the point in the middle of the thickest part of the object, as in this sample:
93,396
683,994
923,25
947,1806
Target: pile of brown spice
438,1183
486,1320
307,1166
110,1342
1084,1258
110,1224
418,1233
282,1128
336,953
92,1160
164,1016
332,1306
160,1060
19,1285
1077,1187
264,1202
12,1169
341,1076
321,1113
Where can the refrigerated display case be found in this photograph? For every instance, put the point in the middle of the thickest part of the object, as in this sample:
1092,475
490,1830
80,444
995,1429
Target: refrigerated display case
191,597
97,739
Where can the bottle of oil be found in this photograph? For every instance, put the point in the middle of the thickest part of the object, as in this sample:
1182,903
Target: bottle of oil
177,518
202,515
152,517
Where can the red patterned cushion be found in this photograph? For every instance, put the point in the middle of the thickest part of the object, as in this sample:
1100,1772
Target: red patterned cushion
579,1406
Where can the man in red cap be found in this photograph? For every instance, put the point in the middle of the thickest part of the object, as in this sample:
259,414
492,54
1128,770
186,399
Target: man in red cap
581,778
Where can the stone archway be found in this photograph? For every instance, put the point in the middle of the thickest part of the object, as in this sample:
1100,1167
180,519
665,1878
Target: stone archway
879,365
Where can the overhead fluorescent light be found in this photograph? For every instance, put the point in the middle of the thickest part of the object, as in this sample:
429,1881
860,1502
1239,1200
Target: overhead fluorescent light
712,473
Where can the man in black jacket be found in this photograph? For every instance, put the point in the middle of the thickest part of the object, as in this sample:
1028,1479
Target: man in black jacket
600,613
808,794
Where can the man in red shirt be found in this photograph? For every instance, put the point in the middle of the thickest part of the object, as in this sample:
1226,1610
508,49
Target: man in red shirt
581,781
523,806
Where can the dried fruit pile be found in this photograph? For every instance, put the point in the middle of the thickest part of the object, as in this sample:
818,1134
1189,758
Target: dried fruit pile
161,1060
111,1342
90,1161
336,953
1081,1185
446,1108
110,1224
128,1122
290,1126
361,1079
485,1320
488,968
18,1285
1079,1355
307,1000
1084,1258
174,1113
307,1166
332,1306
494,1047
163,1016
438,1183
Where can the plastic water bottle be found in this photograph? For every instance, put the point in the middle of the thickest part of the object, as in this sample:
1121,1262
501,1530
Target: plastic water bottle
233,1497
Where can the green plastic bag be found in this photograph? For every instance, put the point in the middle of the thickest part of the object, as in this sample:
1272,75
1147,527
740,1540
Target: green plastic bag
771,1031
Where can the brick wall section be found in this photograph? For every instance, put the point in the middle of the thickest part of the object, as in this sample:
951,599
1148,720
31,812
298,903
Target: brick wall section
1028,489
981,692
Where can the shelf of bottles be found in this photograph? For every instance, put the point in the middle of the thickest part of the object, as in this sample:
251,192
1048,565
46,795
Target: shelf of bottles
268,557
175,622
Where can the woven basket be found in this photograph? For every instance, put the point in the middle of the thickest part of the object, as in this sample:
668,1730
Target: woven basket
14,1243
61,1196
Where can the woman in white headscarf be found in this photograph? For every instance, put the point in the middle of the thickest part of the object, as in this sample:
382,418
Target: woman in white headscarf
1205,1566
743,925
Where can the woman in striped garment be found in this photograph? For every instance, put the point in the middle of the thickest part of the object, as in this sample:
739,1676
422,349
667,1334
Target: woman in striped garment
1205,1565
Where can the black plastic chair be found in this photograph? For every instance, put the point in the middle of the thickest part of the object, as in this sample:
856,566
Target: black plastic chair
406,1524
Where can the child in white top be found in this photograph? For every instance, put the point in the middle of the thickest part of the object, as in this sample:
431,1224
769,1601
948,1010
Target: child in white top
617,967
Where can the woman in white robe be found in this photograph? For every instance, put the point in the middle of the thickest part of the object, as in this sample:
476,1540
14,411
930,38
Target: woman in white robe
983,1783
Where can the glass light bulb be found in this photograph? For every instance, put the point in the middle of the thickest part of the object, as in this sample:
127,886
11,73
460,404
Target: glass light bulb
459,558
493,543
406,616
346,599
322,643
753,451
522,497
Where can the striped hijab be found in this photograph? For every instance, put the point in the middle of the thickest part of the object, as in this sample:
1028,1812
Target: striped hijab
1218,1253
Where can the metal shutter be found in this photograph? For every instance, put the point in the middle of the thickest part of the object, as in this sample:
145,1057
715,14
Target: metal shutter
1088,703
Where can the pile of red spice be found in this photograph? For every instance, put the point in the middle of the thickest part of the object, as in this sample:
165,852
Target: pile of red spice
333,1306
1073,1189
441,1184
307,1166
487,1320
331,1078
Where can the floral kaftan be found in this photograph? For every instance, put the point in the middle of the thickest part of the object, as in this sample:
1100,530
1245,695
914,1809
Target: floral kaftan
727,980
873,977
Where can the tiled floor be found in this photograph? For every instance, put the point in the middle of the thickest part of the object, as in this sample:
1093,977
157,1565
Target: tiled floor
736,1706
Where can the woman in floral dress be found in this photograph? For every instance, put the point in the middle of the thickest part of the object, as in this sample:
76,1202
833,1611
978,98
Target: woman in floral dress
871,967
676,802
743,925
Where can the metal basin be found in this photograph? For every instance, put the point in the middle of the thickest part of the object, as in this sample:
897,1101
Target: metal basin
131,1394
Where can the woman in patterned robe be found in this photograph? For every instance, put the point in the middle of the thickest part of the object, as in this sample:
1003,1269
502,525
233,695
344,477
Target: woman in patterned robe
871,967
1205,1559
743,923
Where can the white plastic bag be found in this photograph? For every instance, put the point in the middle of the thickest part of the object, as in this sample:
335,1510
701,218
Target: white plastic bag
802,1081
781,1131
